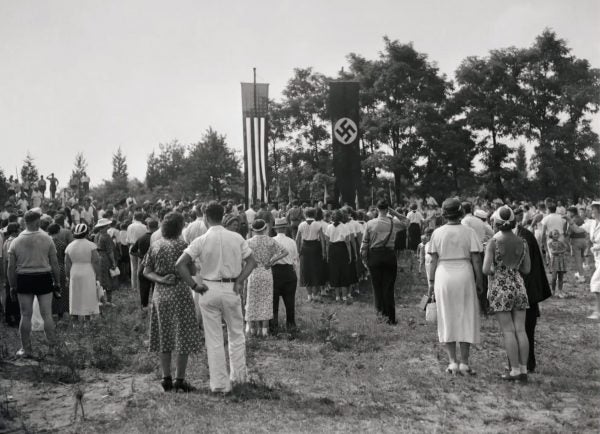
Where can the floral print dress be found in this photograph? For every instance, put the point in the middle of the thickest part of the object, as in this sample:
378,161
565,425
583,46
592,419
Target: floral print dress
259,300
173,324
506,289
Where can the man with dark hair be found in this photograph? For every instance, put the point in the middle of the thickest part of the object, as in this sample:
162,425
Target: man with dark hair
224,262
32,266
378,254
135,231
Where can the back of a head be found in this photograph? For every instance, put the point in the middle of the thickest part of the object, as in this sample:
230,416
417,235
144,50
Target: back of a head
467,208
310,213
383,205
214,212
337,217
139,216
53,229
505,219
552,208
172,225
12,229
59,219
413,207
152,224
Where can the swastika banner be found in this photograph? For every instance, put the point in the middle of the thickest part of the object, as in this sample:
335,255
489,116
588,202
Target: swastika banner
344,110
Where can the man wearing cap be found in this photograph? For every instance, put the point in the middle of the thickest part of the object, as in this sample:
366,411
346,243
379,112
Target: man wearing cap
378,254
224,261
285,278
32,270
476,222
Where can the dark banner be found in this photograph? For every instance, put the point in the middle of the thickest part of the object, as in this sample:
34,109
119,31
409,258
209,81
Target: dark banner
343,107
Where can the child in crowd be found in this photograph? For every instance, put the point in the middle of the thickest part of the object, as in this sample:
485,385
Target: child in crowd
557,249
424,257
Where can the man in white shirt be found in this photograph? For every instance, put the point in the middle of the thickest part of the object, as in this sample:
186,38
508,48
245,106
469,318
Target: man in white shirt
484,232
135,231
251,214
196,228
285,277
225,262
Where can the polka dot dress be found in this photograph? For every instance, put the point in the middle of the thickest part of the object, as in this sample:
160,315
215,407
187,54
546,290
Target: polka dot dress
173,324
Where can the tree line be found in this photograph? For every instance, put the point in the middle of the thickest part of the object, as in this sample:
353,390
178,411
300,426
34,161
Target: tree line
421,132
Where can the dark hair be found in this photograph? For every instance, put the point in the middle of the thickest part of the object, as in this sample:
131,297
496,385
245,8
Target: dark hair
295,202
504,213
337,217
139,216
319,214
152,224
414,207
310,213
428,231
81,235
53,229
214,212
360,215
172,225
13,218
12,228
123,226
382,204
467,207
44,225
259,225
552,208
31,216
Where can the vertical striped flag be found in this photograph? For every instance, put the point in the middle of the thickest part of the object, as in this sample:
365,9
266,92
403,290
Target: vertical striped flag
255,106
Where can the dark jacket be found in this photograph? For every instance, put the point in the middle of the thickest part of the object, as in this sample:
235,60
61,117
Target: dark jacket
536,282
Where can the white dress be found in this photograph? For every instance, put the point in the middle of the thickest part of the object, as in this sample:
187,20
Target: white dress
83,298
455,292
594,231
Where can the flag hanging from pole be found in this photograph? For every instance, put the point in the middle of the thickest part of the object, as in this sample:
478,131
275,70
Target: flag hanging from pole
325,195
290,195
255,106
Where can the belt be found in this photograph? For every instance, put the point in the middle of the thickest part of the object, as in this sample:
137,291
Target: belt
223,280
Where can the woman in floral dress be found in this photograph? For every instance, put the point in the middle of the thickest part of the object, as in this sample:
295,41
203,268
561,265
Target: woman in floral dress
506,259
259,300
60,305
173,324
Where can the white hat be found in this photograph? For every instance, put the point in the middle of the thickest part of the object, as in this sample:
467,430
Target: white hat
497,217
479,213
103,222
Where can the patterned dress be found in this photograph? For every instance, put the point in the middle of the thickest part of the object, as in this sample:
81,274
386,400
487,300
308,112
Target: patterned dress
61,305
259,301
173,324
506,289
557,256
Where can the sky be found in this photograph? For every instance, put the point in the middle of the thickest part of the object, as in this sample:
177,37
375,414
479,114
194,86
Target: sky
92,76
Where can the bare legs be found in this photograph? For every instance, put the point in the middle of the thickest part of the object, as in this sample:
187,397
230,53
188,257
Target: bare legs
180,364
26,307
515,338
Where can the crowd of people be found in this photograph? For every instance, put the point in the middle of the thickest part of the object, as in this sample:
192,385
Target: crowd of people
194,262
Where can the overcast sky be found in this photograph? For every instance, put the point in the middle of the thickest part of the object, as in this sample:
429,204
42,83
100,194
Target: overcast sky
89,76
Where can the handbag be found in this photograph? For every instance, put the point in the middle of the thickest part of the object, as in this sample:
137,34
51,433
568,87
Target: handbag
424,302
114,272
431,312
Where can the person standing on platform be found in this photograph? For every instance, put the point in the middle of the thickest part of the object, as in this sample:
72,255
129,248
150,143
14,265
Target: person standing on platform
53,185
378,253
225,262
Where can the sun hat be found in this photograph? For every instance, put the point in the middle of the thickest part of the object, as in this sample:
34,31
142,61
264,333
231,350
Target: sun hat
80,229
259,225
595,203
280,223
479,213
103,222
451,208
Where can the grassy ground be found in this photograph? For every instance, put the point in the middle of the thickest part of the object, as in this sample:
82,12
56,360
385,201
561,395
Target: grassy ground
343,372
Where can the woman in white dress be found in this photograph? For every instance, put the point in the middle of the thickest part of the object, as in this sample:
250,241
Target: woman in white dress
593,228
81,265
456,270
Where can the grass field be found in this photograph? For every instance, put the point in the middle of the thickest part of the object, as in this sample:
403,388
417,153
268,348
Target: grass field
343,372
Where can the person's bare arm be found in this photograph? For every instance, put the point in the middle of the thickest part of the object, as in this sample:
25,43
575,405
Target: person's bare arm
55,268
249,265
430,283
488,260
12,273
184,269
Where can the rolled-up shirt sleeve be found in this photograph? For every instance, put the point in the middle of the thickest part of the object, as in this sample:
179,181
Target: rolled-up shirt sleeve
194,249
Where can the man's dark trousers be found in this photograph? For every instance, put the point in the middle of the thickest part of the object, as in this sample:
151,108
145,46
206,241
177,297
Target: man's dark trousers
284,286
383,268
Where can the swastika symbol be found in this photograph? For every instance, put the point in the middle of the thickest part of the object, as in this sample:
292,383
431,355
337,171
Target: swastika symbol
345,131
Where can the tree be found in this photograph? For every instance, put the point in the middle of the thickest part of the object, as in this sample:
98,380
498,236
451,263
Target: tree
559,92
3,189
119,172
487,95
29,172
80,165
212,168
166,166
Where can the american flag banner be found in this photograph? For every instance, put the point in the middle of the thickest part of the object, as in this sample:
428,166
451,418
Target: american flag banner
255,108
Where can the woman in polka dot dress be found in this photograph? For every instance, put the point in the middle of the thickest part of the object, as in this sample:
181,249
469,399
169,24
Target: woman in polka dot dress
173,325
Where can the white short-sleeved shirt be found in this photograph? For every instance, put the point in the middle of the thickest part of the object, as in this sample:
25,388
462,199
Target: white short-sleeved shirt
337,233
415,217
452,242
219,253
195,229
354,227
290,246
309,232
554,222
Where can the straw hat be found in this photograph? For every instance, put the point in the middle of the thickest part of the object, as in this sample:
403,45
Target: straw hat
102,223
259,225
280,223
451,208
